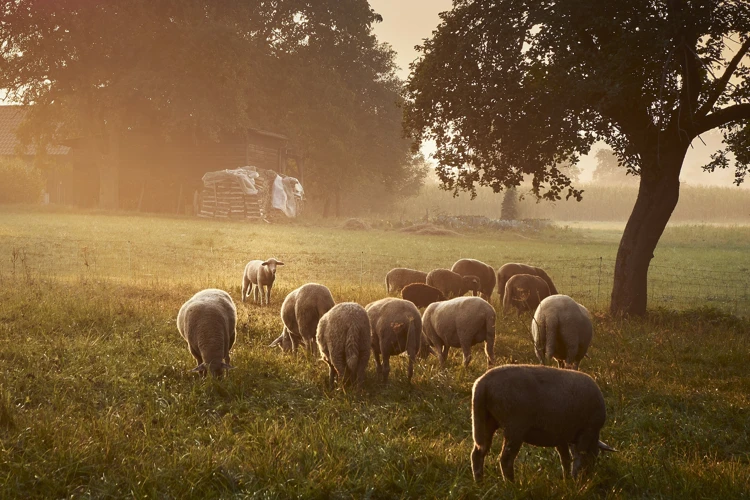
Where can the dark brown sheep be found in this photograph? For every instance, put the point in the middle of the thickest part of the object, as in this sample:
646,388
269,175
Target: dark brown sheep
508,270
421,295
485,273
541,406
452,284
524,292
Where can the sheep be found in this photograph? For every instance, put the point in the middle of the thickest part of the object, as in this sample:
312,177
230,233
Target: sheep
485,273
561,329
524,292
207,322
259,274
460,322
344,342
421,295
398,278
508,270
396,326
452,284
539,405
300,313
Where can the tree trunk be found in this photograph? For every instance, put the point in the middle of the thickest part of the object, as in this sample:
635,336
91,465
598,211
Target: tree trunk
657,197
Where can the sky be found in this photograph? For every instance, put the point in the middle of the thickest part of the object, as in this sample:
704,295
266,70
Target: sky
407,22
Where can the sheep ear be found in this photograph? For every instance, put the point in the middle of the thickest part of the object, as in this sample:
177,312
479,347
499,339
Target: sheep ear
277,341
227,366
605,447
279,263
264,263
200,368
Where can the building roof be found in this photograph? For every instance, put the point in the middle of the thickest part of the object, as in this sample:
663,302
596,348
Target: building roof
10,118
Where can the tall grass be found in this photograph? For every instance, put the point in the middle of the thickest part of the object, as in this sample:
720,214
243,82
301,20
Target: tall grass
96,399
600,203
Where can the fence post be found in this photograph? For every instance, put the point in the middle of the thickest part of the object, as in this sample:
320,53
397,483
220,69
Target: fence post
599,282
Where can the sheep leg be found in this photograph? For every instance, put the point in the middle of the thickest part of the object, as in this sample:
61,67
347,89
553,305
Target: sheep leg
256,293
196,354
565,459
331,373
410,369
268,294
378,366
508,455
442,354
386,366
466,348
245,286
482,448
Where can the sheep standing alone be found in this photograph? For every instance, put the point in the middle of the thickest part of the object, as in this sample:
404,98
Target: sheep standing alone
508,270
421,295
398,278
561,329
207,322
485,273
259,274
344,342
524,292
396,326
460,322
452,284
300,312
541,406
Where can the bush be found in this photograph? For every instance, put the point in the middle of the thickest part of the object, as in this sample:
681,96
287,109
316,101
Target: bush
20,182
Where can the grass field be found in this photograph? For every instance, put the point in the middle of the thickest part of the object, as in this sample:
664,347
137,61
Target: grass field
96,400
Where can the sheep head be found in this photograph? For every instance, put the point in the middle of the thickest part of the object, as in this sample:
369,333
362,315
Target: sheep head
271,265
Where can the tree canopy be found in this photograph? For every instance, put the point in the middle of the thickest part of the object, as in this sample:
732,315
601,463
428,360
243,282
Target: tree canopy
514,88
311,70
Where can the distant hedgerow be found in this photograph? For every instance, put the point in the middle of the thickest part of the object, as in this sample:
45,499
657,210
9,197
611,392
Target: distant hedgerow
20,182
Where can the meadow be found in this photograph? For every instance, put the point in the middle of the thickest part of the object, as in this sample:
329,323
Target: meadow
96,399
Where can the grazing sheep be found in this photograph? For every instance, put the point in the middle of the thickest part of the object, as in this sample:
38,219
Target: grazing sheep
300,313
485,273
561,329
421,295
460,322
207,322
508,270
396,326
259,274
452,284
344,342
524,292
398,278
541,406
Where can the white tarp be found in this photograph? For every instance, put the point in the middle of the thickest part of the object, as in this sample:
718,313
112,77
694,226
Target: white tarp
244,176
284,194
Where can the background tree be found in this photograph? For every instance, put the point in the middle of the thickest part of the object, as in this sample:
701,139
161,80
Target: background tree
311,70
509,209
608,170
543,80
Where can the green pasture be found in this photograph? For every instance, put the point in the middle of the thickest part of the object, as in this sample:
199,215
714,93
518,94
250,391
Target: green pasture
96,399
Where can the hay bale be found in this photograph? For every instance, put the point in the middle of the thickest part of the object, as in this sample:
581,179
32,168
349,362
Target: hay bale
355,224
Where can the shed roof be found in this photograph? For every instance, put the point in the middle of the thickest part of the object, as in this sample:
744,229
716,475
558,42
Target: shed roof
10,118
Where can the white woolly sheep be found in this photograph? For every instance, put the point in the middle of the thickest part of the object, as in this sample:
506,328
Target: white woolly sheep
395,326
207,322
344,342
524,292
460,322
561,329
485,273
452,284
398,278
541,406
259,274
508,270
300,313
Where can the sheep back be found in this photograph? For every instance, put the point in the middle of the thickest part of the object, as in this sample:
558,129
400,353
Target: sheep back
207,322
485,273
561,329
300,312
524,292
511,269
398,278
460,322
396,327
541,406
344,342
421,295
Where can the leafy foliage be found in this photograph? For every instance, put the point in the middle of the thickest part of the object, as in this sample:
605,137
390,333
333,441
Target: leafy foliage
510,205
21,182
608,169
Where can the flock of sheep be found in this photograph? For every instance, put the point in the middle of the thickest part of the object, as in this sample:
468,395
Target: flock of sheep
540,405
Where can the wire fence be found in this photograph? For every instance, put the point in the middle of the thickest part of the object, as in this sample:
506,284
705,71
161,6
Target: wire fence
588,280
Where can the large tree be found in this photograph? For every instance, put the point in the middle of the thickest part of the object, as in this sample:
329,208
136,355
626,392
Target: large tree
508,88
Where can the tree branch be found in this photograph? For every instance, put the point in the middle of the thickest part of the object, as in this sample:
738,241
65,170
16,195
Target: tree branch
723,116
721,84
